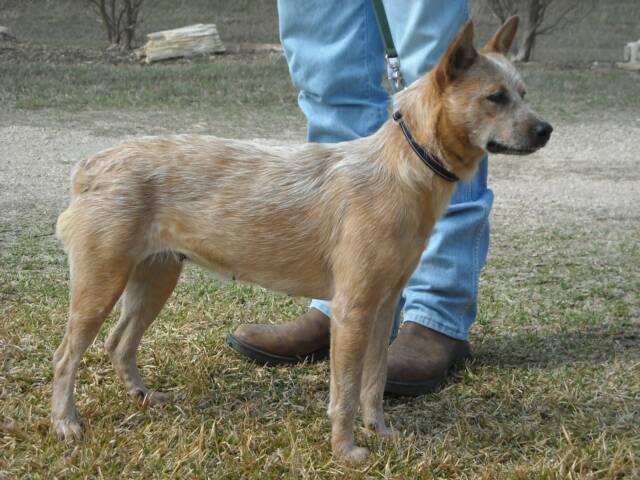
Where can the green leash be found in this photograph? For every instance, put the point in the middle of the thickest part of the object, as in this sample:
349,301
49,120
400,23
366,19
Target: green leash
397,83
390,53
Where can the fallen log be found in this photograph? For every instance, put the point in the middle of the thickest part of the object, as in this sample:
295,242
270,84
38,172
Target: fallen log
631,57
194,40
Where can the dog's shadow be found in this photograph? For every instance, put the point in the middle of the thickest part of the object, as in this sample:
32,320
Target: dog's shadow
494,387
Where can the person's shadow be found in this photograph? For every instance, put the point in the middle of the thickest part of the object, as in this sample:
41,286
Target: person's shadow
588,345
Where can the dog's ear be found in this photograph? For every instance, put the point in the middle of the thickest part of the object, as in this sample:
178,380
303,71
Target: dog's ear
458,58
502,41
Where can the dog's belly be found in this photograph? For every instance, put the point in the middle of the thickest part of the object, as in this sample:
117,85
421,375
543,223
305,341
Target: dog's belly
269,240
291,279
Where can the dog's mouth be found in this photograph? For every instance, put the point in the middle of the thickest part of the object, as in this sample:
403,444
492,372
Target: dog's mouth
497,147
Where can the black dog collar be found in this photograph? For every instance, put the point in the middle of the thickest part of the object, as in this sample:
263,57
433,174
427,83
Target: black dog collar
429,160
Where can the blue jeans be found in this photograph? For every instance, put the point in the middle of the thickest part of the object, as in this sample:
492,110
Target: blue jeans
336,61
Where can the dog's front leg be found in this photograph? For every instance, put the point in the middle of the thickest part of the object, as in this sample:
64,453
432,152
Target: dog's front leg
349,338
375,368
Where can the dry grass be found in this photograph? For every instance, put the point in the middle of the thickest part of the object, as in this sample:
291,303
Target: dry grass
553,391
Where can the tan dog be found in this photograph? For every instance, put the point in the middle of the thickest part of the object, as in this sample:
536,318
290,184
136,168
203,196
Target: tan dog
344,221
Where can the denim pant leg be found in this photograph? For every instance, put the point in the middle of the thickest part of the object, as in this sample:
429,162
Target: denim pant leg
422,31
336,61
442,292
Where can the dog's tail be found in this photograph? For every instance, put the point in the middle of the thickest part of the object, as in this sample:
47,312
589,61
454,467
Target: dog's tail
64,225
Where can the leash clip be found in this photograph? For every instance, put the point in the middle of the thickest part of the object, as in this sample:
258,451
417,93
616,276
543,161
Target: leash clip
394,74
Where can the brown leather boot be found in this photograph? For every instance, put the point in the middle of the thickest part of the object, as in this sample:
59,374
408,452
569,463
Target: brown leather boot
420,360
305,339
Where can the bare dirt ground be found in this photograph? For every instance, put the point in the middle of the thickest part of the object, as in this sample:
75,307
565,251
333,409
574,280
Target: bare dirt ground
38,151
587,173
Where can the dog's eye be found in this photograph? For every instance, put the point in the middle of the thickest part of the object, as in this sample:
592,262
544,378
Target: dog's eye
501,98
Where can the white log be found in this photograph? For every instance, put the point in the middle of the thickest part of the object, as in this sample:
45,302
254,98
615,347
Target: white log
632,52
631,56
200,39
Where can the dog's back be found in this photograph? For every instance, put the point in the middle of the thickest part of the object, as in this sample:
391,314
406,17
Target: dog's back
213,199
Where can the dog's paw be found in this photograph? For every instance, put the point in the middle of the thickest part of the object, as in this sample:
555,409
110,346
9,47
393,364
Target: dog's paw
354,455
67,429
150,398
378,427
349,452
382,431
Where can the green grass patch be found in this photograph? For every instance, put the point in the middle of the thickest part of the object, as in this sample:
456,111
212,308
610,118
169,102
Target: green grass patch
259,83
572,94
263,84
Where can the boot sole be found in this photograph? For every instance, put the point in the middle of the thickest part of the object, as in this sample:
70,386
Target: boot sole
269,359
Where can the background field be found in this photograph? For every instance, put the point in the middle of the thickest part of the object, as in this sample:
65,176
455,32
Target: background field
554,387
69,22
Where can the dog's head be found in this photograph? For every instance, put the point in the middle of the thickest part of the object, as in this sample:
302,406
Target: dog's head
483,95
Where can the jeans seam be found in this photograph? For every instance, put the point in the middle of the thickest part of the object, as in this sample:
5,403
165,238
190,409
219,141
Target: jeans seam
476,260
382,113
365,27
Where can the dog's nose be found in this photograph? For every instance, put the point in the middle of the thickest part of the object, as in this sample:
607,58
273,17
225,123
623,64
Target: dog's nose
542,132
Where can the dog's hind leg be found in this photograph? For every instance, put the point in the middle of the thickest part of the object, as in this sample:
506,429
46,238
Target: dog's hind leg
149,287
374,375
98,277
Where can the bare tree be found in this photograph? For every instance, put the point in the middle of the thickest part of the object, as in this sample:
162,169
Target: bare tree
563,13
120,20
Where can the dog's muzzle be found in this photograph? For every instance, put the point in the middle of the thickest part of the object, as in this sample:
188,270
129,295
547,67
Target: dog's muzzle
538,137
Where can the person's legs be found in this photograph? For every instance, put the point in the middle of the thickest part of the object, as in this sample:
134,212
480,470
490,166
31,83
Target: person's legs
442,293
336,61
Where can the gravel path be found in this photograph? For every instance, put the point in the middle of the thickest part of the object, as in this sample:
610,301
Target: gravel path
587,172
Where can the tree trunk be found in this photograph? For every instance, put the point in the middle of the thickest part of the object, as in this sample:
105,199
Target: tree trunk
132,9
528,42
120,20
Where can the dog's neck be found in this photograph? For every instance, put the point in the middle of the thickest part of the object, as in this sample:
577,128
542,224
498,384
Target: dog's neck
427,119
